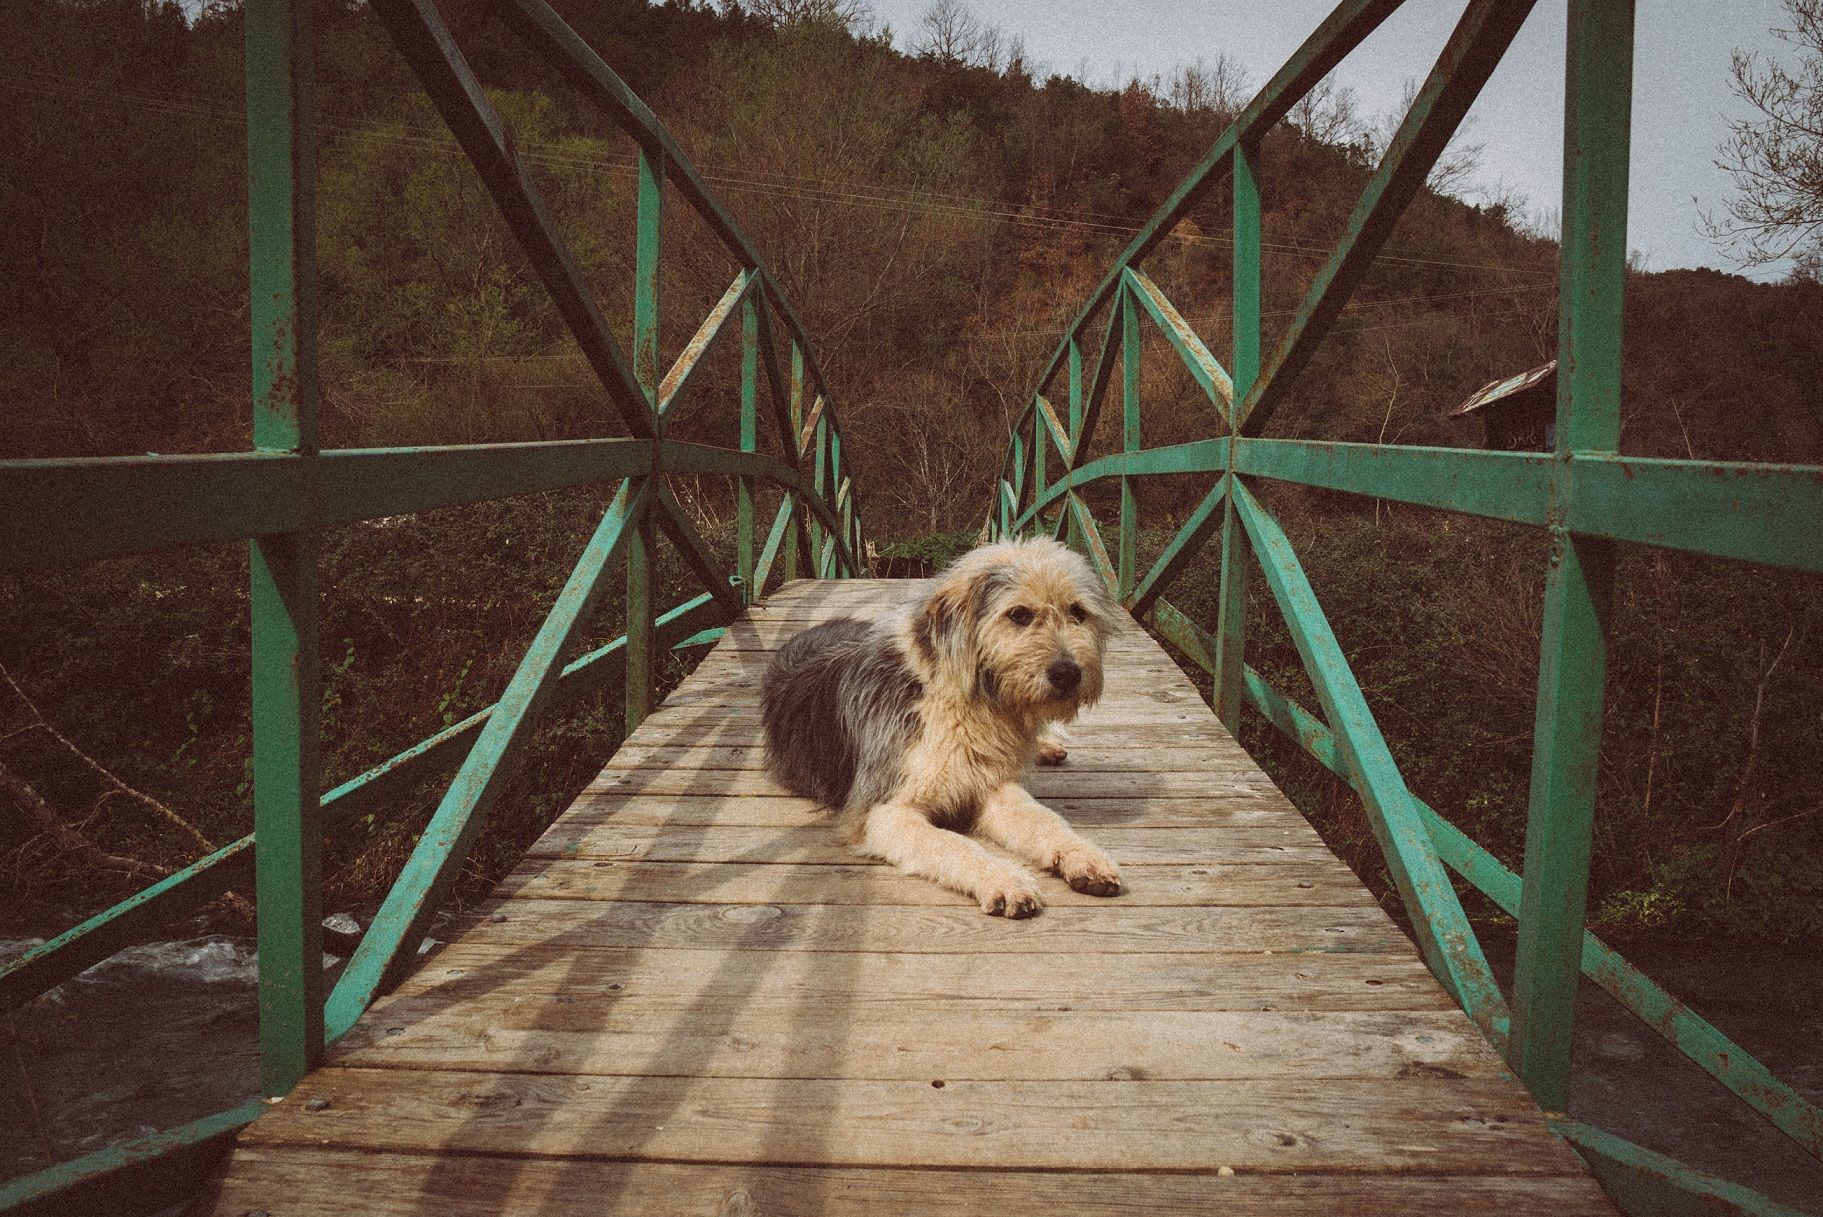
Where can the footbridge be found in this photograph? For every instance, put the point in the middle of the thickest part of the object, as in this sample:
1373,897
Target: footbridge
689,997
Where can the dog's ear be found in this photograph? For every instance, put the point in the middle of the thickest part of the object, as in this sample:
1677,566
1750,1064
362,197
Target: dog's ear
946,629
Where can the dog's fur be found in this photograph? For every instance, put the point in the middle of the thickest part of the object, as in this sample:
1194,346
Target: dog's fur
917,729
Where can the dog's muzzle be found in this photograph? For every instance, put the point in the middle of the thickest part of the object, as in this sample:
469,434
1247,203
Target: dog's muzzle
1065,676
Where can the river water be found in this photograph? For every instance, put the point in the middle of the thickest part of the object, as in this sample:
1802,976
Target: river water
166,1032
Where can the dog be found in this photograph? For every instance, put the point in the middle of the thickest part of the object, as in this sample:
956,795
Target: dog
915,730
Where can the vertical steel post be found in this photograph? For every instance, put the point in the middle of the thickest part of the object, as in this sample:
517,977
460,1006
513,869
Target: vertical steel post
1041,439
1231,610
1077,541
1579,583
819,482
796,537
287,701
647,254
1129,441
750,383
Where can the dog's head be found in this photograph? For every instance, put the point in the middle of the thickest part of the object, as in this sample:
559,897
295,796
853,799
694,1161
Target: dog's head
1022,624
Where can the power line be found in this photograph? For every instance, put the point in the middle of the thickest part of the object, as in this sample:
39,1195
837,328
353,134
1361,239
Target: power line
752,182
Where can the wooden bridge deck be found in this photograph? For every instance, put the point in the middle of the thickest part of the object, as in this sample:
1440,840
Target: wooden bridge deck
691,999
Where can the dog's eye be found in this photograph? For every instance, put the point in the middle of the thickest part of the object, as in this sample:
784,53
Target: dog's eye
1078,614
1021,616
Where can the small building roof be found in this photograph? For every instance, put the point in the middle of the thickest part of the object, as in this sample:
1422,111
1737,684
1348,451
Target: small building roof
1496,390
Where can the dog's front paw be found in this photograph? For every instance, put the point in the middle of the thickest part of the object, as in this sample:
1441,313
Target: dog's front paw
1089,871
1009,892
1052,753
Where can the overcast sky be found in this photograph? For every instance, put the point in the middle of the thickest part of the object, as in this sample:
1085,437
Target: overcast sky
1680,91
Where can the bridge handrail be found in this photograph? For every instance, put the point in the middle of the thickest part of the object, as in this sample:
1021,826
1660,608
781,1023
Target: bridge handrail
1585,494
284,492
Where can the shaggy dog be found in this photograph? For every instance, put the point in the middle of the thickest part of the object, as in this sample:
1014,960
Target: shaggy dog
917,729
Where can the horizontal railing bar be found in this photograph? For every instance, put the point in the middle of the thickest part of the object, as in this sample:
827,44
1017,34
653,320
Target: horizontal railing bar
1502,485
81,508
1196,456
141,1175
1691,1034
1209,374
378,789
1750,511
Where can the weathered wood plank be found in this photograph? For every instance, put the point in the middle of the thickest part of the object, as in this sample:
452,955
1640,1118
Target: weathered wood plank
631,805
1045,783
1477,1126
615,1036
1314,884
1109,927
411,1185
817,844
867,980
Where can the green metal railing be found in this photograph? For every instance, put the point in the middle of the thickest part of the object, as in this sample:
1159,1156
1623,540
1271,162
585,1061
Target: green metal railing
1584,494
284,493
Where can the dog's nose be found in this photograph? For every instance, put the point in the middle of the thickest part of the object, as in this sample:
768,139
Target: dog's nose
1065,675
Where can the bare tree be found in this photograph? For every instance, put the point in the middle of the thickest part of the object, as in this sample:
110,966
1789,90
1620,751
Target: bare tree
1219,88
842,14
1776,156
951,35
1456,166
1330,114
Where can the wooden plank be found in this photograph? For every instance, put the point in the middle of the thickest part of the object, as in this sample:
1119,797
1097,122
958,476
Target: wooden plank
1233,768
632,806
1475,1125
816,844
410,1185
682,978
1110,927
1290,885
688,729
1044,783
618,1037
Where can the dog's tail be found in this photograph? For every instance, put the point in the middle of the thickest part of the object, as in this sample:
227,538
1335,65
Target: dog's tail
808,749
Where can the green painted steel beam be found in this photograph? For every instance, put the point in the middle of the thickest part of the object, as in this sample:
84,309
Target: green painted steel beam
1579,581
283,604
1209,375
144,1175
1347,25
1441,927
676,385
1130,354
1196,456
781,522
1177,628
1183,548
1752,512
1692,1035
1236,557
1061,437
750,442
1644,1182
77,509
559,45
691,547
1091,534
1468,59
418,30
391,940
1502,485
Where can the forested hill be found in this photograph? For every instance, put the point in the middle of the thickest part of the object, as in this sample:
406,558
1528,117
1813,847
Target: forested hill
937,220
